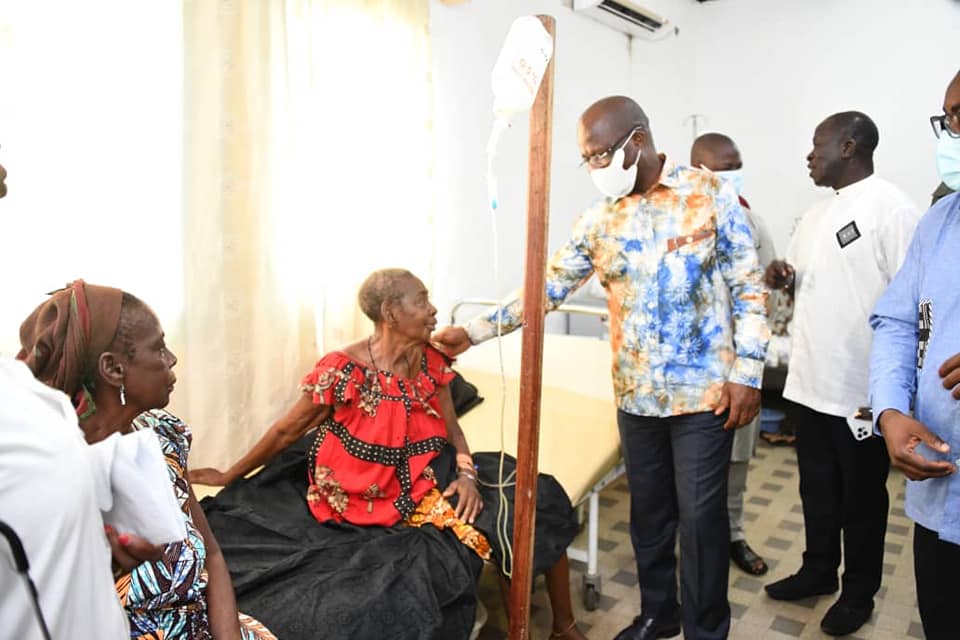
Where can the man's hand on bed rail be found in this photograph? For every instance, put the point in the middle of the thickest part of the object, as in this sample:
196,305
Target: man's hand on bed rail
742,401
451,340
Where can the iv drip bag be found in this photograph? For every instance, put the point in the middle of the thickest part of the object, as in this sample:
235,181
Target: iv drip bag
519,69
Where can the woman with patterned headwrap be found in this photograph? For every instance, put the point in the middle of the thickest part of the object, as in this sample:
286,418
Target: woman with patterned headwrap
105,349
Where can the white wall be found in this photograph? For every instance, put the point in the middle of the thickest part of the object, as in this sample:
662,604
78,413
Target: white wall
591,61
766,72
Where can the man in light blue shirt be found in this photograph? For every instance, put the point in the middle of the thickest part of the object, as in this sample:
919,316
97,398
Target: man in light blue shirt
914,363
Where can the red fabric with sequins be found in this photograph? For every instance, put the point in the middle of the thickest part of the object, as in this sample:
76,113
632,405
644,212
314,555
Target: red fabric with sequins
370,462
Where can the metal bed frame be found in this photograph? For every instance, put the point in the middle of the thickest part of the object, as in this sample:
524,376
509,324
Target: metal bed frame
592,582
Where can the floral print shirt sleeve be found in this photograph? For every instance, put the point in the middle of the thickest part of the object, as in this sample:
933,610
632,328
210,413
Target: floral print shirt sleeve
740,268
568,268
684,290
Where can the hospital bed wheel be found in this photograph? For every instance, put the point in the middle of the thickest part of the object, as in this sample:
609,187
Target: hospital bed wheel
591,598
591,592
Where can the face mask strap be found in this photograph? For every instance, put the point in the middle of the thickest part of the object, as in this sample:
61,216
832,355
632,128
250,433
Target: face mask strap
628,138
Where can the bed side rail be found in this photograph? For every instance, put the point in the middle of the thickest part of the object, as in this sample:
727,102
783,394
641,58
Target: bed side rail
571,307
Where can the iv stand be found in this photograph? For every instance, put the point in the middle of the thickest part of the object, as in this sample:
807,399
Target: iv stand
695,120
531,362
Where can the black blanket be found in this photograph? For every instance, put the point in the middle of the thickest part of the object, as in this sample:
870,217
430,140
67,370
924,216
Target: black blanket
307,580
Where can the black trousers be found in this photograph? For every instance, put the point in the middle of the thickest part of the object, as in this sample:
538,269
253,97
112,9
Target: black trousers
843,487
677,472
936,565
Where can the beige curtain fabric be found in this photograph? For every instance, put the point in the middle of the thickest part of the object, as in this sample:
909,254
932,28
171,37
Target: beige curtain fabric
307,165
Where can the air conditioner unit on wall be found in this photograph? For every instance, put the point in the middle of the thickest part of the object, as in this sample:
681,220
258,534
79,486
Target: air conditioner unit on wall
624,15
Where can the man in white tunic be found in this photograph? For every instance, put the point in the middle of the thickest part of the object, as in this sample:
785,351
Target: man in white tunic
845,251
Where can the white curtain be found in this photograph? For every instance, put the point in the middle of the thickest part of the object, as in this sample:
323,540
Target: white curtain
241,165
307,165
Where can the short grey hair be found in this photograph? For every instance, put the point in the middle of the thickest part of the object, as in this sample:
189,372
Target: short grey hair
379,287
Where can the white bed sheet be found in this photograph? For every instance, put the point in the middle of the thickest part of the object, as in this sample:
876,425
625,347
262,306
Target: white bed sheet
579,441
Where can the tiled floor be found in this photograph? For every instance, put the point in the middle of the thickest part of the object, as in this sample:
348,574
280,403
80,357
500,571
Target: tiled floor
775,530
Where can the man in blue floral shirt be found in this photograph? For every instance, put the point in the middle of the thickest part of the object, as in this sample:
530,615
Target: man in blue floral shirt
674,252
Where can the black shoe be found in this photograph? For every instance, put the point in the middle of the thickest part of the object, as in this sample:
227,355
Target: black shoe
747,559
801,585
648,628
843,619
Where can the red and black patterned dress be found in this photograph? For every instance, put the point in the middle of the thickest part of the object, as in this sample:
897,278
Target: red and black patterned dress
370,462
358,563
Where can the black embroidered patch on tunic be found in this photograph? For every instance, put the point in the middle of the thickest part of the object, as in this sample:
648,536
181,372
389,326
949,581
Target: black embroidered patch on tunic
924,328
848,234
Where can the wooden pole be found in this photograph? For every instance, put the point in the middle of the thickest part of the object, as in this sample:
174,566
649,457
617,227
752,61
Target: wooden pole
531,363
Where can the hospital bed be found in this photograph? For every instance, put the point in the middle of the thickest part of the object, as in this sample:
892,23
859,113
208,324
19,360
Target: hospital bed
579,440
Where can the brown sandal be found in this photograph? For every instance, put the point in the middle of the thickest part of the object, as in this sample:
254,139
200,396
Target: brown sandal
778,439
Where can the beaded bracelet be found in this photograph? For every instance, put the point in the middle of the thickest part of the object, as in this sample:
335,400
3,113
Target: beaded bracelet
467,473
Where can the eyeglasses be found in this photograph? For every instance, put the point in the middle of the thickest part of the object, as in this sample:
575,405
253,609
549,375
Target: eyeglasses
600,160
949,122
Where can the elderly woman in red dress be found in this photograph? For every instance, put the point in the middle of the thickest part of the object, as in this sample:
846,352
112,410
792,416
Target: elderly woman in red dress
388,453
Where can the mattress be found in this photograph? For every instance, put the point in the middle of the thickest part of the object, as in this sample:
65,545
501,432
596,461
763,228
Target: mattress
579,441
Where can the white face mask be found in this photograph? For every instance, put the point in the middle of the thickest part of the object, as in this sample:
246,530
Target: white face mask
734,177
948,160
613,180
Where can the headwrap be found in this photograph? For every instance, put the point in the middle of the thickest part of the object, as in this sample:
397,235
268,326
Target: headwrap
61,341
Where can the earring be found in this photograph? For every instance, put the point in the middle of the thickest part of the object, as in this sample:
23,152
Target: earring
123,395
